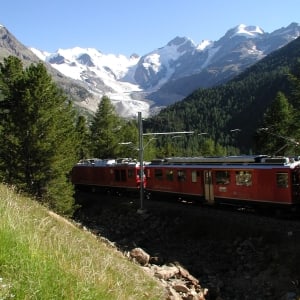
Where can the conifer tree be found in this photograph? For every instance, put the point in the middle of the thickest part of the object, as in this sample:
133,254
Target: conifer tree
37,138
82,132
128,134
275,133
10,77
105,127
294,80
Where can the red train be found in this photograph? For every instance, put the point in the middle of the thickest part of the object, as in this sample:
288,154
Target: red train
240,180
245,180
109,175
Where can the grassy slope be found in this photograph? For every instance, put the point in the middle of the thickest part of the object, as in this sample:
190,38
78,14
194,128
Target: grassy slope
43,256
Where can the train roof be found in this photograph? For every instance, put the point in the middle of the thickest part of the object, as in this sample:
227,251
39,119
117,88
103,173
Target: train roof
97,162
228,160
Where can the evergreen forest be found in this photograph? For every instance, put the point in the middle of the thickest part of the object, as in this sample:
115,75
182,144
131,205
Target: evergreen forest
231,115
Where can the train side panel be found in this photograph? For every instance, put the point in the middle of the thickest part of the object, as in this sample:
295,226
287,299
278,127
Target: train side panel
263,184
97,176
231,180
83,175
230,184
273,186
126,177
108,176
174,182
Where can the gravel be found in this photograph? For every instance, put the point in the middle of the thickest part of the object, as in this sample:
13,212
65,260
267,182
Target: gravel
234,254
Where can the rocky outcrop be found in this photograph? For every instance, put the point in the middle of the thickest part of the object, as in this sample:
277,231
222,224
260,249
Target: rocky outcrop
179,283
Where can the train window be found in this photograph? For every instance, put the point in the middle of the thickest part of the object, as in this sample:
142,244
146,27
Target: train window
130,173
282,180
195,175
169,175
120,175
158,174
117,175
222,177
181,175
123,175
243,178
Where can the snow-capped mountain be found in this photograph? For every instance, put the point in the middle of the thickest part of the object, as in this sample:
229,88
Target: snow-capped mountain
220,61
167,74
102,74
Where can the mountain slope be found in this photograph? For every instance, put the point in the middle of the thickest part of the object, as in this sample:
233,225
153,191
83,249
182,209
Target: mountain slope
159,78
9,45
102,75
238,49
169,73
240,103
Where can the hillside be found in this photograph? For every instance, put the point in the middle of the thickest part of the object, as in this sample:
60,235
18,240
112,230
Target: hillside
9,45
44,256
240,103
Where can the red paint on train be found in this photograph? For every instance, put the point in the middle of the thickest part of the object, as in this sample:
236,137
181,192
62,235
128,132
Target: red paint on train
244,180
107,175
239,179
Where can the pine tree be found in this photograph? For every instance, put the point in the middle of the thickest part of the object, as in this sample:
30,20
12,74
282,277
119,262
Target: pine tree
11,74
128,134
37,138
105,128
294,80
82,132
275,136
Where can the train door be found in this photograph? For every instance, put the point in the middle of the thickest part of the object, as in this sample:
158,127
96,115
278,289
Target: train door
208,187
296,186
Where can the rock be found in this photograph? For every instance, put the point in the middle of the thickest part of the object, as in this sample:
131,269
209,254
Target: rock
180,287
173,295
156,260
140,256
188,276
166,272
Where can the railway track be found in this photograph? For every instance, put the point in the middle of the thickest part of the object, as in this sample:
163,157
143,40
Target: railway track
236,254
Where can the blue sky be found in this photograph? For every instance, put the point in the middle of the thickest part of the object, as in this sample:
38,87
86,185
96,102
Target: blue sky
136,26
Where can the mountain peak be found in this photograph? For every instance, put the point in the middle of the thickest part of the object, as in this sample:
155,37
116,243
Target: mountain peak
179,41
182,44
248,31
204,44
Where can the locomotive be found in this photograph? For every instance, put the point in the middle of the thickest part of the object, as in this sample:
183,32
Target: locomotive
116,176
246,180
257,180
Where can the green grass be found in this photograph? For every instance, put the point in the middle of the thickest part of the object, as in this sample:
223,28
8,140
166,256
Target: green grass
44,256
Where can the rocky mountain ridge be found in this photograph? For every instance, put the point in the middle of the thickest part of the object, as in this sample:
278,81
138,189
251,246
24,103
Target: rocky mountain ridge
159,78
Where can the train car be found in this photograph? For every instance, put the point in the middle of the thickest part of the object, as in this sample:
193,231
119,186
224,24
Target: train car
117,176
239,180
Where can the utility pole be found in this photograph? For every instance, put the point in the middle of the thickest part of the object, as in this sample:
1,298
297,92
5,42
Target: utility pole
141,158
141,154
